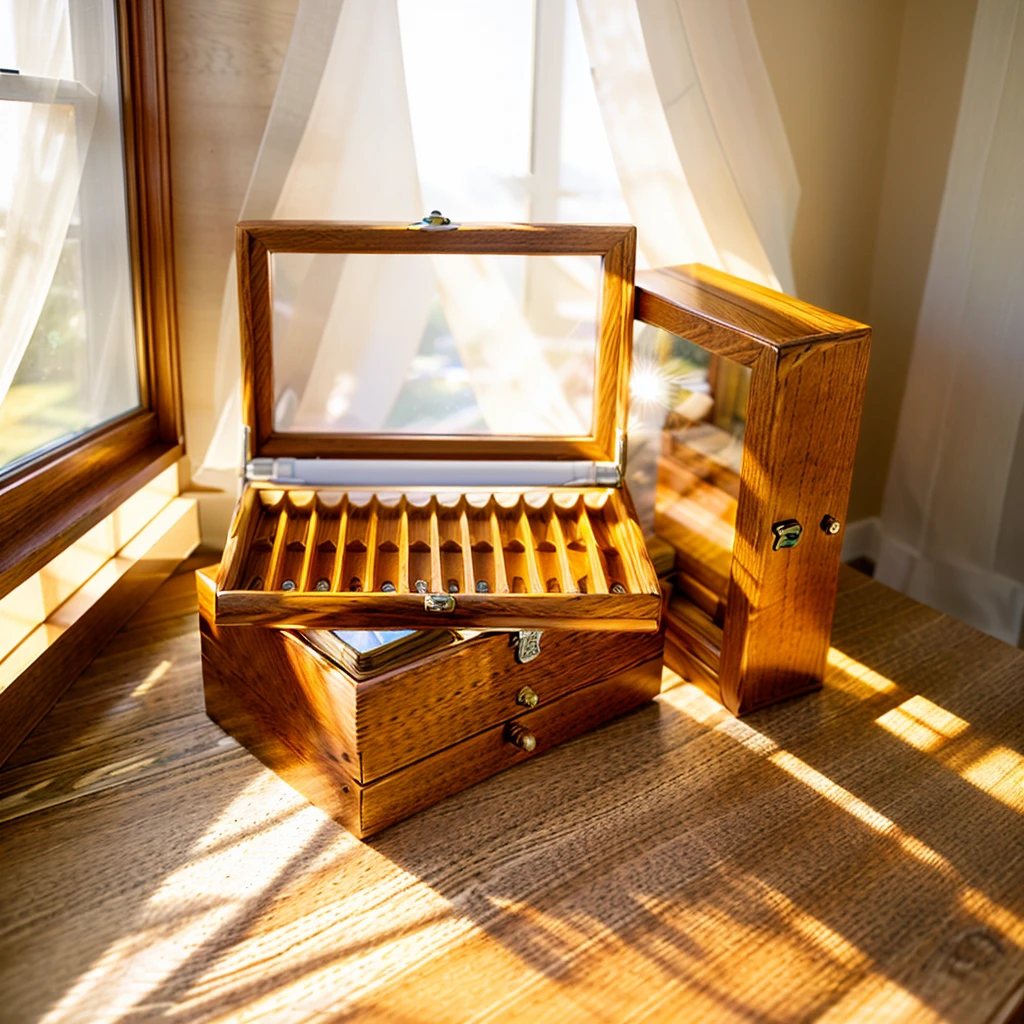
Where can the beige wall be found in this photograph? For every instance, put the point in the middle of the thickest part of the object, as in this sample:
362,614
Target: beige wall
933,58
868,91
223,62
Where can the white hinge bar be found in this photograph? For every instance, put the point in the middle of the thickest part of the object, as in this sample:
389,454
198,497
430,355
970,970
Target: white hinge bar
431,473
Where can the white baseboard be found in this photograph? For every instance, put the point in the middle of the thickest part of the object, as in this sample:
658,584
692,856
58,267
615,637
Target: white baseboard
863,539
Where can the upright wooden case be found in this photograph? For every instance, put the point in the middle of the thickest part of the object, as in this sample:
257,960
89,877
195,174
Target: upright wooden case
350,528
756,517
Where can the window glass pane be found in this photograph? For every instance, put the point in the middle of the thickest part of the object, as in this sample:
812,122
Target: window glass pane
469,79
588,188
434,344
67,339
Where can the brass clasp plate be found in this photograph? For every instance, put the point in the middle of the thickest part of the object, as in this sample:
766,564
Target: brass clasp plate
526,644
787,534
439,602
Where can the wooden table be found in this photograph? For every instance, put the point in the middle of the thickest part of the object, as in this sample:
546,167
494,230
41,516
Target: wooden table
857,854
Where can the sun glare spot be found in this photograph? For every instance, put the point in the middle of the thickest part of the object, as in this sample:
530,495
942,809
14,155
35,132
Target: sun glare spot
860,673
922,724
1000,773
158,672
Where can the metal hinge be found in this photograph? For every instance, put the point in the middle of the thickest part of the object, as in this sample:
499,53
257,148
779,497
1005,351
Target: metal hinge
393,473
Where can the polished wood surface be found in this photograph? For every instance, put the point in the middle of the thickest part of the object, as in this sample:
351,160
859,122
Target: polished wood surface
48,660
808,372
733,317
573,560
151,233
802,427
45,510
296,747
374,726
850,856
616,244
60,495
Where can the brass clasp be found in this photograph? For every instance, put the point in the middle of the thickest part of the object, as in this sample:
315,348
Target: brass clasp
439,602
526,644
434,221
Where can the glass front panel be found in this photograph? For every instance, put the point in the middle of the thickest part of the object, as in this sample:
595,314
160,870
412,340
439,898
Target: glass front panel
67,339
688,416
444,344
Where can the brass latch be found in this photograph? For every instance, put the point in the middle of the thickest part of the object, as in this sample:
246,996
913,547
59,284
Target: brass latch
786,533
439,602
434,221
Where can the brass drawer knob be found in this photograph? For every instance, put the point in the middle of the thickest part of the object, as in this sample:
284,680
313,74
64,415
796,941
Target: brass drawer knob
527,698
521,737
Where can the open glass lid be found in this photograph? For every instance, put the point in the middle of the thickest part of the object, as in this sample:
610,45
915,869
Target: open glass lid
435,422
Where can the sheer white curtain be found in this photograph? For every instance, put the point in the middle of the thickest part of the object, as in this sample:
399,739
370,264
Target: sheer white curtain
338,146
696,134
952,521
699,189
47,145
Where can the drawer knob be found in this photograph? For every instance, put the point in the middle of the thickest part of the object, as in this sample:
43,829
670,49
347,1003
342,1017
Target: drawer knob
521,737
527,698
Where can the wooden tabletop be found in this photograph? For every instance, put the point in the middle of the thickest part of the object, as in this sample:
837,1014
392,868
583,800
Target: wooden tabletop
853,855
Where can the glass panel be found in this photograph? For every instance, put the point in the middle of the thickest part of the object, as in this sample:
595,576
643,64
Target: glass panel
688,416
365,641
447,344
67,339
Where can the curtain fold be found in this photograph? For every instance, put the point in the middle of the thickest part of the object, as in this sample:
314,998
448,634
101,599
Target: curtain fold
340,144
952,532
52,142
696,134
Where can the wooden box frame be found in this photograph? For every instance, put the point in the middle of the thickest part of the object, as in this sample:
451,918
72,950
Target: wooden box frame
809,369
372,748
245,597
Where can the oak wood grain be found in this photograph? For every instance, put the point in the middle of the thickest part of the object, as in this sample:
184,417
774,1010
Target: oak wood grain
802,429
386,721
253,716
733,317
827,858
611,584
809,369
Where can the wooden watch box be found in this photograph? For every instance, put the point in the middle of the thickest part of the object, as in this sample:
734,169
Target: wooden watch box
341,523
750,460
374,727
500,508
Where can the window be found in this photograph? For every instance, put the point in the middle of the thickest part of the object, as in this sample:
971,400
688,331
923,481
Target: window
67,337
88,364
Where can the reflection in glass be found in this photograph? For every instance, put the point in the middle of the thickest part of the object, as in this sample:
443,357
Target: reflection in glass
445,344
687,421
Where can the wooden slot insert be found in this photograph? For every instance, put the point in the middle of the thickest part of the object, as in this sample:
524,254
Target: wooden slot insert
580,542
386,563
453,566
480,524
